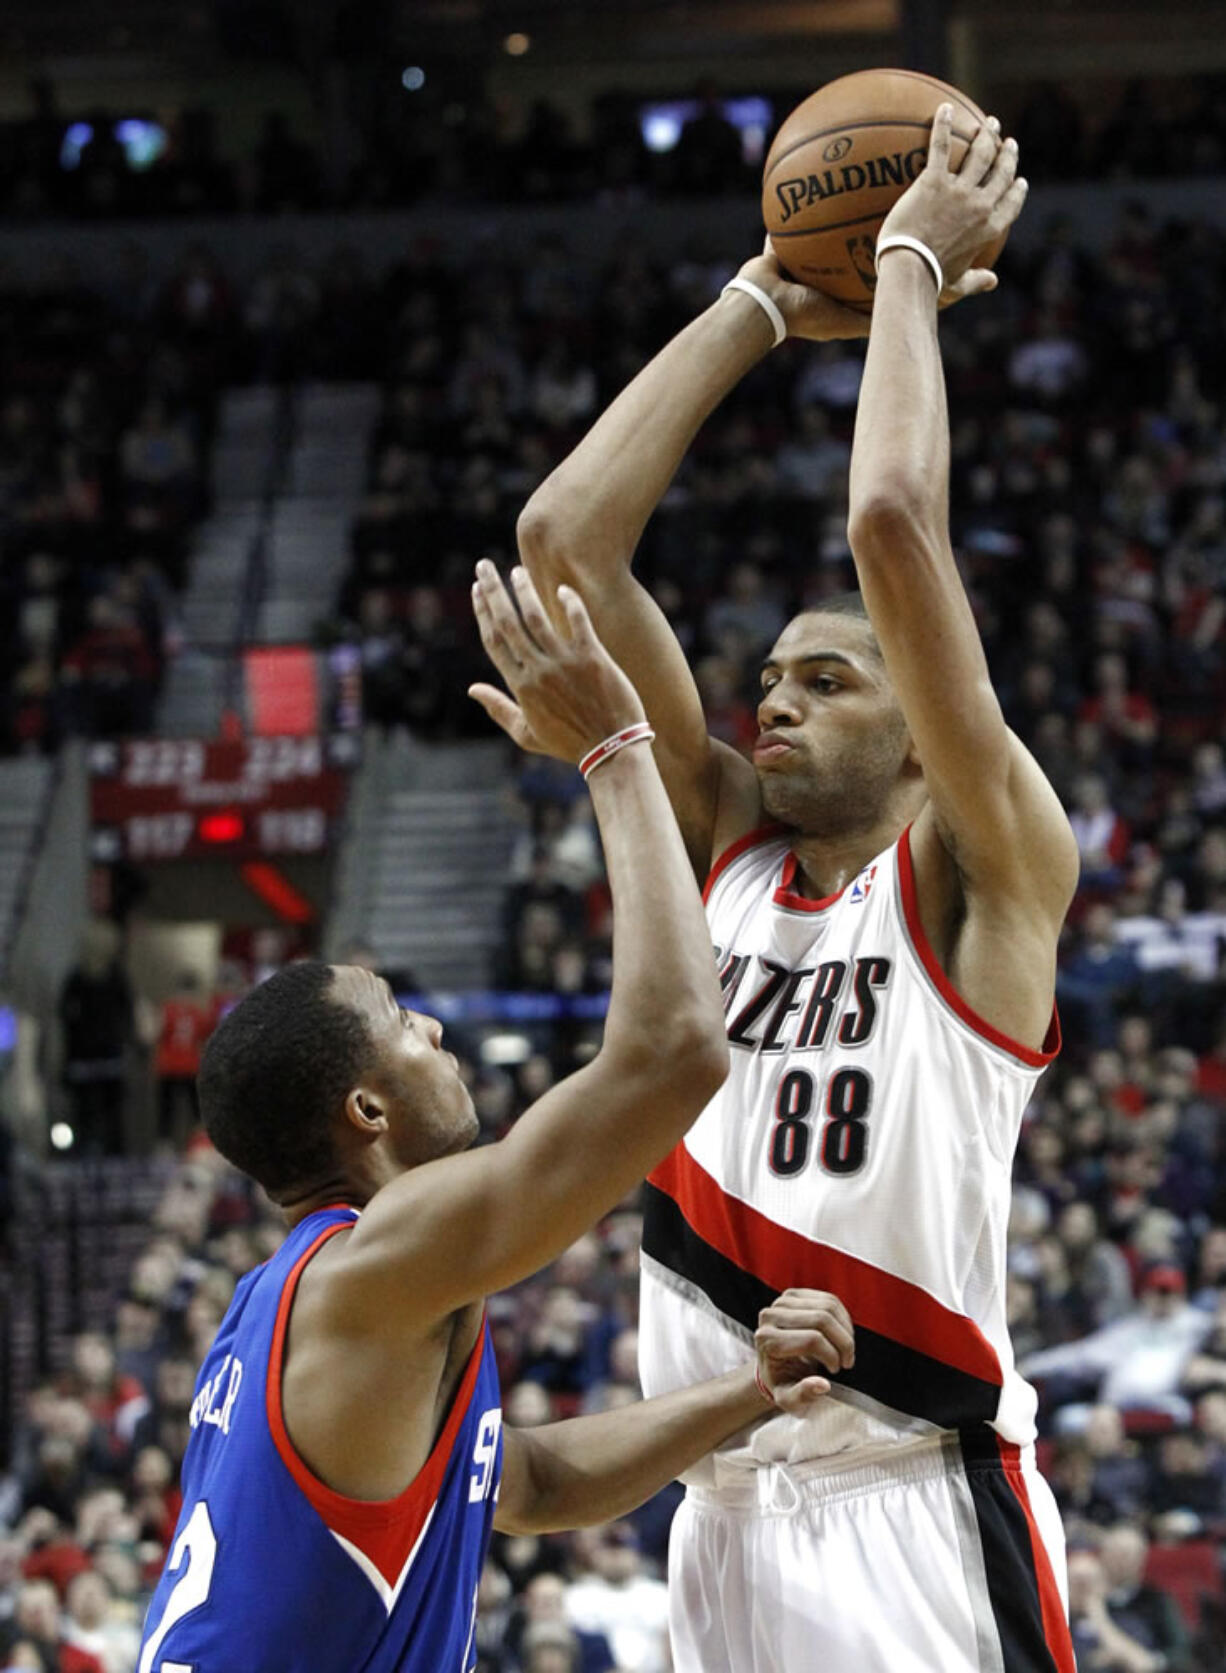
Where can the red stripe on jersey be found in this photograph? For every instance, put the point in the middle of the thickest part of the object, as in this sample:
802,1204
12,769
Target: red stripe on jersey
385,1530
786,895
1051,1605
946,989
742,845
780,1257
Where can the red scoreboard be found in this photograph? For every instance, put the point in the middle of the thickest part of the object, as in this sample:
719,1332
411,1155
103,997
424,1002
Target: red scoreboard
155,799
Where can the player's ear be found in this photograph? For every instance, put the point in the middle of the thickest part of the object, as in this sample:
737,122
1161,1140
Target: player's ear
364,1112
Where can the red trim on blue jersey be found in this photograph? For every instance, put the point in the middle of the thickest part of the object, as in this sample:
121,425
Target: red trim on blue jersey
742,845
1055,1622
780,1257
386,1530
948,992
786,895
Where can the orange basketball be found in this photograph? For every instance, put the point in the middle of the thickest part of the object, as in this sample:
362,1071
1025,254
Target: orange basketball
838,165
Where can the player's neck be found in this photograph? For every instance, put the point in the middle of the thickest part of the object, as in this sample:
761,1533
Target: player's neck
827,864
332,1193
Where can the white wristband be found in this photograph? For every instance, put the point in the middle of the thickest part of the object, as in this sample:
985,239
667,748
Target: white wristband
903,241
639,733
764,302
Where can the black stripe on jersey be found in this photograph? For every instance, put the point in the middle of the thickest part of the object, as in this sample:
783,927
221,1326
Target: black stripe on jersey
1008,1558
898,1376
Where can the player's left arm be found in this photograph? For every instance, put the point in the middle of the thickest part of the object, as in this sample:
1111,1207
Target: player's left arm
586,1470
995,825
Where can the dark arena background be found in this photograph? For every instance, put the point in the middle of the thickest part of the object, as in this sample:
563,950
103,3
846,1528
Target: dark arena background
298,303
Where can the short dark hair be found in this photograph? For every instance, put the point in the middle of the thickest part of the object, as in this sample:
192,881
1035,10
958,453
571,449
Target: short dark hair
846,604
276,1071
841,604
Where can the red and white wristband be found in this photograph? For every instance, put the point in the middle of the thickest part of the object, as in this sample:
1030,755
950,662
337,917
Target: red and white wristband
760,1384
639,733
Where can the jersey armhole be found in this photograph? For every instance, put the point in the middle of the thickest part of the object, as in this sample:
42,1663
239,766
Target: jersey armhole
945,989
734,850
385,1532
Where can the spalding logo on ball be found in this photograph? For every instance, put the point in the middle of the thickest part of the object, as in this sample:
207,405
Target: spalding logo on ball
839,164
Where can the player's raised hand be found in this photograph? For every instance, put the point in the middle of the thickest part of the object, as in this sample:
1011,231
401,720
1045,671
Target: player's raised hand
959,212
801,1336
567,693
806,312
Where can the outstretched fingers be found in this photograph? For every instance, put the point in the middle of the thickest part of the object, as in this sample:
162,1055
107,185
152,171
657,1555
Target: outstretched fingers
1003,171
981,153
532,611
579,623
502,633
1009,207
938,144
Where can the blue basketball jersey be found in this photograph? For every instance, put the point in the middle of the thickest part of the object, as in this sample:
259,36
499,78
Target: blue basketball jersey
270,1571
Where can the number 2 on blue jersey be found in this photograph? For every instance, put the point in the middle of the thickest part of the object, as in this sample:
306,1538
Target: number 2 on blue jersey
198,1543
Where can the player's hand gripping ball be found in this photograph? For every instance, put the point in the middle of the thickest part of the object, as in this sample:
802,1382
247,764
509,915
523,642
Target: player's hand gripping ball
840,163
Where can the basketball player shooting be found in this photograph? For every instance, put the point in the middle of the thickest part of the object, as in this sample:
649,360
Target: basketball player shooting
347,1458
885,885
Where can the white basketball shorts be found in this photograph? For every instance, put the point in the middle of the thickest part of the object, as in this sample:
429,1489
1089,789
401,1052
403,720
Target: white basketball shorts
946,1556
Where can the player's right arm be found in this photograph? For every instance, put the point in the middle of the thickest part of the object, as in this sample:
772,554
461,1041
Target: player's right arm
583,524
449,1231
591,1469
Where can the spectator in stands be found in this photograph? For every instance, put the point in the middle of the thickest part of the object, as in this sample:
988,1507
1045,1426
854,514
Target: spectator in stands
1188,1477
550,1647
1178,948
1095,976
97,1012
1096,1266
1135,1362
159,467
1147,1616
1207,1367
1102,836
110,673
555,1353
708,153
94,1625
165,1425
114,1400
36,1620
1051,364
618,1600
187,1020
1120,1478
543,1604
1097,1639
812,463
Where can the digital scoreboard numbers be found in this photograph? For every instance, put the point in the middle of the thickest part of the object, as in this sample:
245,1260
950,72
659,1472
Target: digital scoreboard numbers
155,799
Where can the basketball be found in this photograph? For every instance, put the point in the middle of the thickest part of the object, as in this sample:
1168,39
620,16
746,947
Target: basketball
838,165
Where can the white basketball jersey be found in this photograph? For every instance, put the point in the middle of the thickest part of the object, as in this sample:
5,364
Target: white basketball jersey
862,1144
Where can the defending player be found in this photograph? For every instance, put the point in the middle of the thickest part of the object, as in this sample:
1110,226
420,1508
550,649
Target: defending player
886,948
358,1359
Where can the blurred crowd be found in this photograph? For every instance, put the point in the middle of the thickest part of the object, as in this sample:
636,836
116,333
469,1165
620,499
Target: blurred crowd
425,137
1088,509
106,413
108,408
